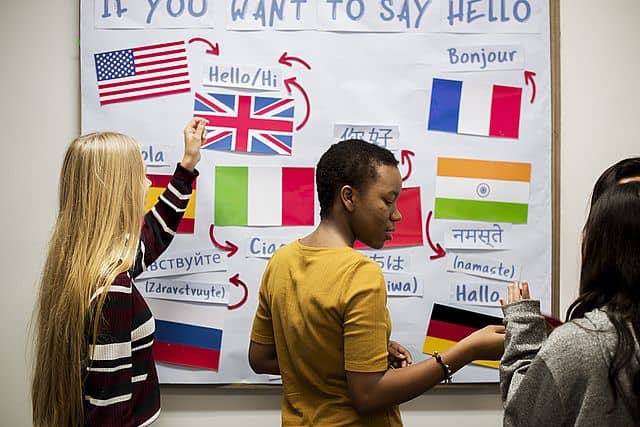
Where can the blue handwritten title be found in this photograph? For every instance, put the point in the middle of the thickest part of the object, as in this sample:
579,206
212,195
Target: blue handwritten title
172,8
351,15
468,11
268,12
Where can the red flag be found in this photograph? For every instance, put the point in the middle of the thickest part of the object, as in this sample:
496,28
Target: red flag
409,229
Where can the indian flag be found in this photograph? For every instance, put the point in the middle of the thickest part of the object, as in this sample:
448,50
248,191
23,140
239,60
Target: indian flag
482,190
264,196
158,185
475,108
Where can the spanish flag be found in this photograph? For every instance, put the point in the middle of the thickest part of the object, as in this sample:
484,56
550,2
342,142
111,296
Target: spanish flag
159,183
448,325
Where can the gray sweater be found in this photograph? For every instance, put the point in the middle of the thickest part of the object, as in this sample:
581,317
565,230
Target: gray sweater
563,380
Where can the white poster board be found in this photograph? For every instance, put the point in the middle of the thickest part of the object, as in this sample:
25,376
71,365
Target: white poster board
459,90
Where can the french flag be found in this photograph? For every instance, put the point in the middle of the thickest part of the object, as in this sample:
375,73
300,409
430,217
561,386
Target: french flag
475,108
188,334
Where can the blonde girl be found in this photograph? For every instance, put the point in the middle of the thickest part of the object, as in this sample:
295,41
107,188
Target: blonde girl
93,331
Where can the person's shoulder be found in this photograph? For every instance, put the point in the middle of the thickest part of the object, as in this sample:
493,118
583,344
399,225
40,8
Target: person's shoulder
583,330
285,251
572,335
362,263
574,347
364,273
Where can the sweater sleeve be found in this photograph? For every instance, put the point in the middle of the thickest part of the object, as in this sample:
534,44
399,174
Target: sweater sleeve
366,323
161,222
525,334
536,399
529,392
107,385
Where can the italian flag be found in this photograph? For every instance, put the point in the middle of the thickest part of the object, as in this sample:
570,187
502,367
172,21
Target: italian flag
264,196
482,190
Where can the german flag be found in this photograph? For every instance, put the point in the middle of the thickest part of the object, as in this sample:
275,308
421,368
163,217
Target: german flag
448,325
158,185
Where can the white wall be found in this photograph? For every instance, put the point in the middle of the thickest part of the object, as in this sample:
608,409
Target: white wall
40,114
599,113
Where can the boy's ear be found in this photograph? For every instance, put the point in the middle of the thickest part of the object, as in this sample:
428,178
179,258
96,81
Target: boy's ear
346,197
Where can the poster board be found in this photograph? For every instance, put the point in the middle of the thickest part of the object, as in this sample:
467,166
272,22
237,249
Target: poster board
448,86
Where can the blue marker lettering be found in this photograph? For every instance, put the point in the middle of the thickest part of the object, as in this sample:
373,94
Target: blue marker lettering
170,10
350,13
203,9
386,5
237,12
333,8
298,3
119,9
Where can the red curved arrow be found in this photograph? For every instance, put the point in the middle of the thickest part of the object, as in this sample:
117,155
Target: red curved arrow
235,280
291,81
287,60
439,251
405,155
529,77
231,248
214,49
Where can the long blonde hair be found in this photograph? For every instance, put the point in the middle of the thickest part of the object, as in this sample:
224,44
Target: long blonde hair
95,238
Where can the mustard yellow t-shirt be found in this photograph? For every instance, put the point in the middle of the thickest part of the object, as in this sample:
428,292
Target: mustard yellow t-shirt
325,309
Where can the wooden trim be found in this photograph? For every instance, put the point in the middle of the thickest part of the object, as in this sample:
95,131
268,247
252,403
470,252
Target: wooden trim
554,30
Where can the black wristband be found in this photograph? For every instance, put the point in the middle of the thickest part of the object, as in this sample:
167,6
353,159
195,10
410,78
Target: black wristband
446,371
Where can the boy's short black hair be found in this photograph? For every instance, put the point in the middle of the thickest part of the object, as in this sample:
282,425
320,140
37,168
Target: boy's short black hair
351,162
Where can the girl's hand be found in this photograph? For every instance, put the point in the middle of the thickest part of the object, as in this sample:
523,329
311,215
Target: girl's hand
194,136
516,293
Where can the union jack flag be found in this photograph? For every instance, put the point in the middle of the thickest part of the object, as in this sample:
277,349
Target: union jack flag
246,123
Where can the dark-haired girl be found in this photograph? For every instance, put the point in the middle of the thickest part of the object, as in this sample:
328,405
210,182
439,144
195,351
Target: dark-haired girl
587,372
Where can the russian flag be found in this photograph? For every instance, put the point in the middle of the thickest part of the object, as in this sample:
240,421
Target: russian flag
475,108
188,334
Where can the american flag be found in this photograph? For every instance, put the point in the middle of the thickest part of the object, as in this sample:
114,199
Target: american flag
142,72
245,123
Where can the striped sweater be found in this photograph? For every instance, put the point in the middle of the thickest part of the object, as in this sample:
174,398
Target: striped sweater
121,383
